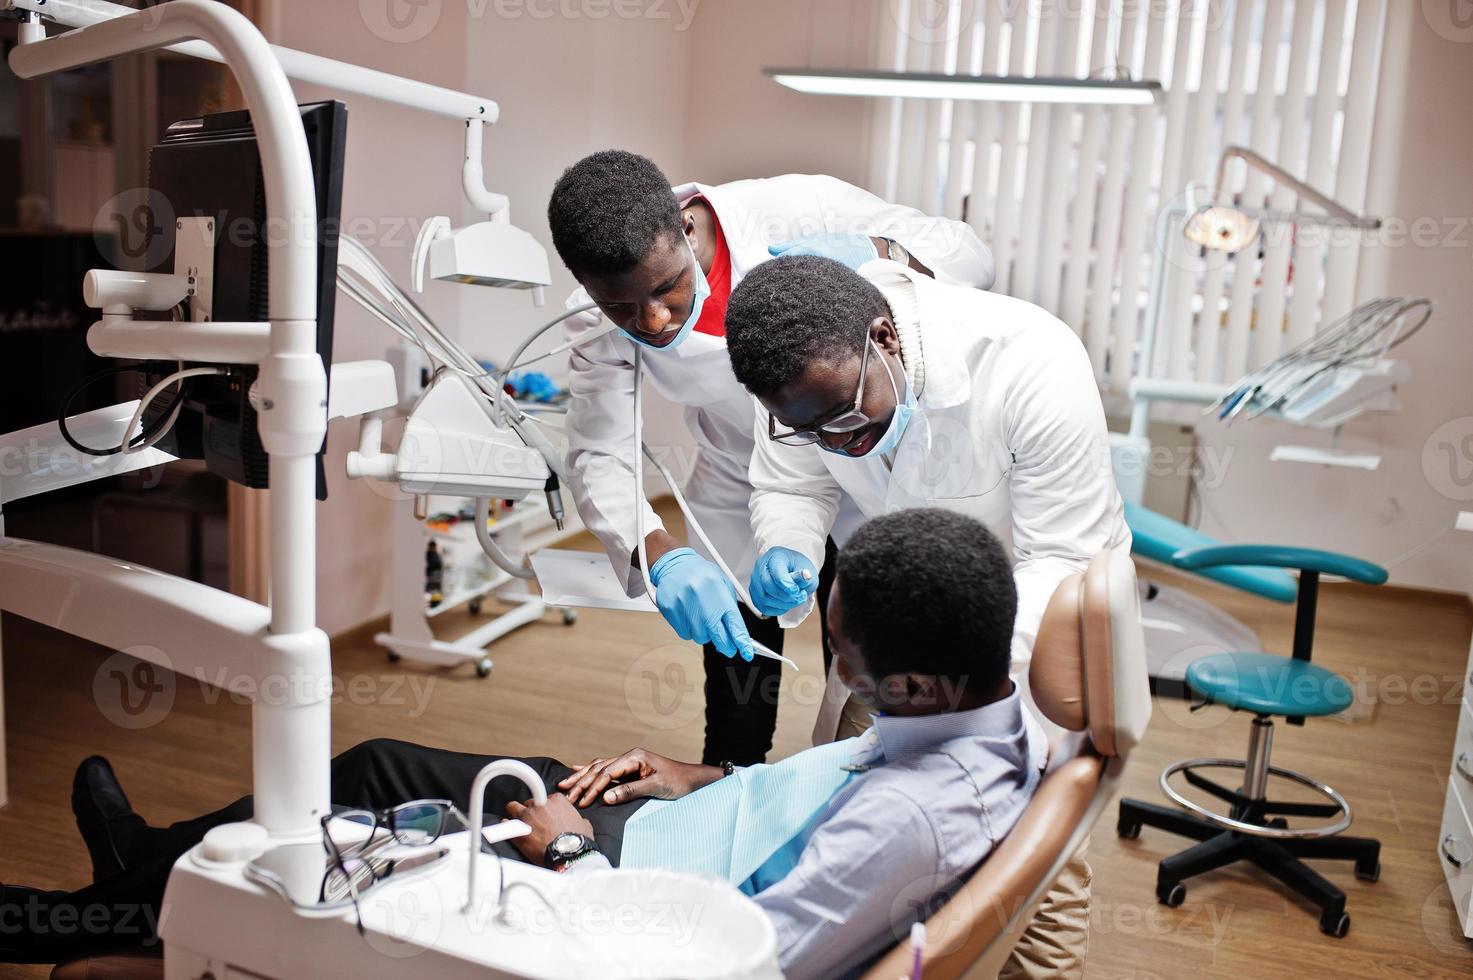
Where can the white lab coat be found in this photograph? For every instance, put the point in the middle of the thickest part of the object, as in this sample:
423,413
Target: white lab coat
718,411
1009,429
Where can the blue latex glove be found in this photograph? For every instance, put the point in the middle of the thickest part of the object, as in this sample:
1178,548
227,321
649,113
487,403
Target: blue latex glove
782,579
533,386
852,250
699,602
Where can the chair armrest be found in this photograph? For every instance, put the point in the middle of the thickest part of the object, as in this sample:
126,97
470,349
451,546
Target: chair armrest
1281,556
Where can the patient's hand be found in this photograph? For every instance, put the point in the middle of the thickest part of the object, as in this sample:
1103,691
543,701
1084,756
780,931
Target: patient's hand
547,820
647,774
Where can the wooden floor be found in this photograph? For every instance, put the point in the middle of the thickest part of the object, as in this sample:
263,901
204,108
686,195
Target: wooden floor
615,680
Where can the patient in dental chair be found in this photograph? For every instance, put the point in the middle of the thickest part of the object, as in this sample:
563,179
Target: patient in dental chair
872,828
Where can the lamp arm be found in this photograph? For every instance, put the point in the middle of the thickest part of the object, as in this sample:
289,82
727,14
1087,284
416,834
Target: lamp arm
301,65
1282,176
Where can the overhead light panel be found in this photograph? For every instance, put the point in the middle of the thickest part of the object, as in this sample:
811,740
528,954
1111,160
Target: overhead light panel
977,88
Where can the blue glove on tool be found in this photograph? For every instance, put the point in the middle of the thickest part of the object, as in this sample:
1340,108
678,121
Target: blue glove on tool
782,579
697,600
852,250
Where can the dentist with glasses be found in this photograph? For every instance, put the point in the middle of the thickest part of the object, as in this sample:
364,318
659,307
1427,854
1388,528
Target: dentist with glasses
890,390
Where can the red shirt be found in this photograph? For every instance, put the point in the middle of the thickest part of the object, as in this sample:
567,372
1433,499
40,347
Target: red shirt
713,313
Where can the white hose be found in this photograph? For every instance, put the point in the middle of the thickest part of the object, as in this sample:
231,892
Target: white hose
491,548
361,275
153,393
408,319
692,524
1362,336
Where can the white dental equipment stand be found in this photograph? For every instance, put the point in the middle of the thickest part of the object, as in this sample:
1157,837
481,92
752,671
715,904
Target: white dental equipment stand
1179,626
410,636
214,922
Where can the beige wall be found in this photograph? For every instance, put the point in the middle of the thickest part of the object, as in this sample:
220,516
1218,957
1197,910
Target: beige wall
400,166
1419,171
742,123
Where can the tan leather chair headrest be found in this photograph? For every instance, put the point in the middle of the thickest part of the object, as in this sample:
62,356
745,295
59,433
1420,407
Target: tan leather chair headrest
1085,674
1056,676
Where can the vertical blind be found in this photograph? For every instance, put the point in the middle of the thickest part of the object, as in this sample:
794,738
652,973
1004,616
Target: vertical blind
1067,196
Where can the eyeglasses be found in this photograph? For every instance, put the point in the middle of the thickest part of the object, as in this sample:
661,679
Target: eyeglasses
415,822
841,424
356,865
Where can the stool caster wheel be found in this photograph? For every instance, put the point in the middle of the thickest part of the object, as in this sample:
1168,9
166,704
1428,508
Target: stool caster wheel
1128,831
1335,924
483,667
394,658
474,606
1171,894
570,616
1371,873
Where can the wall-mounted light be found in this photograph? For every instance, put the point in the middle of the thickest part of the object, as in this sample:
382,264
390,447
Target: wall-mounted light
978,88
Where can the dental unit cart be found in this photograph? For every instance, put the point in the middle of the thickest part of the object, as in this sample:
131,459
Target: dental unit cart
466,914
410,612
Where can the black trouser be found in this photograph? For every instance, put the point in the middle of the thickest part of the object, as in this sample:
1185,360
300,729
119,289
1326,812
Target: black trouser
122,911
741,696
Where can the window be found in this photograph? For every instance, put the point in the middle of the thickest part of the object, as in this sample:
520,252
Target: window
1067,196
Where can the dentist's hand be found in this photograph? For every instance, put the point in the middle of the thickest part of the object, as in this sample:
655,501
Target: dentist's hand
782,579
697,600
852,250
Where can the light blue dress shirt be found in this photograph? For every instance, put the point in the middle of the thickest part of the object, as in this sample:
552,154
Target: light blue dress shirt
939,792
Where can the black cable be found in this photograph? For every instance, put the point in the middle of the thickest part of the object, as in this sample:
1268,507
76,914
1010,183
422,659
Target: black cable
112,372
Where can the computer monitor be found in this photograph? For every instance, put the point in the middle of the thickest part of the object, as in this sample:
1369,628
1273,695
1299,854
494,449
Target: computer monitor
210,167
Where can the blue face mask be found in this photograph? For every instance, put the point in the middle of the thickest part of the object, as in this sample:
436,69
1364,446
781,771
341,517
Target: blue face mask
904,408
702,291
899,419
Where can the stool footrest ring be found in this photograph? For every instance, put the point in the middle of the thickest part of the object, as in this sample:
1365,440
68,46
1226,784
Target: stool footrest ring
1252,829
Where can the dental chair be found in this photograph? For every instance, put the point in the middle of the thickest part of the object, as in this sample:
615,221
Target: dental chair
1088,676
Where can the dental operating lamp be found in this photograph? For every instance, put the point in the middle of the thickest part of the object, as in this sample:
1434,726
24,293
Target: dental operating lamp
1215,221
1222,226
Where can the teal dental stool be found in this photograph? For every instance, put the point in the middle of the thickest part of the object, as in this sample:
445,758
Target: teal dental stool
1254,828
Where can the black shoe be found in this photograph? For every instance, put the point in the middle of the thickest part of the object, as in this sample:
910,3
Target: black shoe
105,818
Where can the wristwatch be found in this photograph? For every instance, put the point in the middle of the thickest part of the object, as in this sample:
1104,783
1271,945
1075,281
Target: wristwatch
727,767
567,847
896,252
